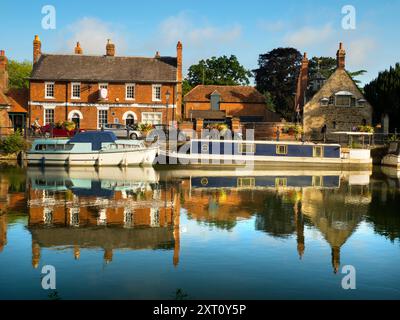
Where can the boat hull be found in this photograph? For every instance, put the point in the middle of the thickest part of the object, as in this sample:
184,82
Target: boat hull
100,158
391,160
210,160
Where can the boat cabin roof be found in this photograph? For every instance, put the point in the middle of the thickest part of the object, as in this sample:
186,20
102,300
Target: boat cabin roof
96,138
267,142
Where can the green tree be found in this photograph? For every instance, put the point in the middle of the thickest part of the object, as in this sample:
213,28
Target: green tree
277,74
327,65
384,95
186,87
18,73
14,143
218,71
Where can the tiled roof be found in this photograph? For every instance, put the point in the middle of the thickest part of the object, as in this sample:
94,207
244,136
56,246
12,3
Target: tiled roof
105,68
18,99
238,94
3,100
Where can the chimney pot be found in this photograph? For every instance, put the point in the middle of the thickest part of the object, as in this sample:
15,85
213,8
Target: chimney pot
37,49
341,57
2,53
78,48
110,48
157,54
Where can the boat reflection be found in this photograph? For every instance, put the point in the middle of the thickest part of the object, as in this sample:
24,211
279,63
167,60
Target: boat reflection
283,202
109,209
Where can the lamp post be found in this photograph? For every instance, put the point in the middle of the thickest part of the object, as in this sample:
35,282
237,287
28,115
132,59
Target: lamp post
167,96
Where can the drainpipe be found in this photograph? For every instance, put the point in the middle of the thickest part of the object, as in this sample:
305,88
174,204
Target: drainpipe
66,101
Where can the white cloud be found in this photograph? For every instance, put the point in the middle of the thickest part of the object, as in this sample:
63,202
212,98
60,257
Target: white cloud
272,26
196,34
309,36
92,34
361,51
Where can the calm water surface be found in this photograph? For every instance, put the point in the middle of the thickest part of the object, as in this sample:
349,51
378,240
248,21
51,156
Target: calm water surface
148,234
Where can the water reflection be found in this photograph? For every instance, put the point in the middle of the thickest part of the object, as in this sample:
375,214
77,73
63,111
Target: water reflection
134,209
283,202
109,209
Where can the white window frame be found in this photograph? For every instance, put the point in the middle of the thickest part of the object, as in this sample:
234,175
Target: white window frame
44,115
72,90
98,117
104,84
46,84
154,87
145,114
128,85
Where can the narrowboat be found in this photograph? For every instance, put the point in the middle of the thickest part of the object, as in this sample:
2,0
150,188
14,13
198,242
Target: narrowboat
91,148
392,158
204,152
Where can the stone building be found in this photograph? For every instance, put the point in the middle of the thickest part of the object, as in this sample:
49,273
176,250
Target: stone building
337,103
95,90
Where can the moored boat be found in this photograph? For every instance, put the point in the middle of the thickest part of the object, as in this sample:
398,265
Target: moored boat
392,158
201,152
91,148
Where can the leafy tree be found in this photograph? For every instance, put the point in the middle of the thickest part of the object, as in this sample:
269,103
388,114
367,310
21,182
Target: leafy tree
186,87
327,65
14,143
384,95
18,73
218,71
277,74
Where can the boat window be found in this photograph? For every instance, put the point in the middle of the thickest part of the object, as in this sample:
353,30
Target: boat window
246,148
40,147
59,147
280,182
318,151
317,181
246,182
50,147
281,149
68,146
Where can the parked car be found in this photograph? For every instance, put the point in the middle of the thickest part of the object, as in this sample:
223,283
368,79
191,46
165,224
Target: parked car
123,131
161,132
52,131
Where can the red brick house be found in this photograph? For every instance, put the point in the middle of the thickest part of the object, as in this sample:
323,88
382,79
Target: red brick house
220,103
94,90
13,102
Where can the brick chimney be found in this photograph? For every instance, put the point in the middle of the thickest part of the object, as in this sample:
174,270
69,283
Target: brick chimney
341,57
37,49
110,48
302,83
3,71
179,80
78,48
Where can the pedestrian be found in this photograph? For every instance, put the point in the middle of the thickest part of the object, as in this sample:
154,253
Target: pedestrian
278,133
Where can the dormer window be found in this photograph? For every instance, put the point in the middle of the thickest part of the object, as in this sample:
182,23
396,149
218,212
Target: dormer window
361,102
344,99
324,102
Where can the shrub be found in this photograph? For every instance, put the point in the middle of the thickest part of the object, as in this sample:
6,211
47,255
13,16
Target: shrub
145,127
14,143
368,129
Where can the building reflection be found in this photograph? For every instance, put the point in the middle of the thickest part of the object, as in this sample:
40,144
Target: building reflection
12,198
109,209
283,205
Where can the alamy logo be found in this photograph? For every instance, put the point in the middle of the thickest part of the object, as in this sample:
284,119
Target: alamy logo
349,19
49,20
49,278
349,280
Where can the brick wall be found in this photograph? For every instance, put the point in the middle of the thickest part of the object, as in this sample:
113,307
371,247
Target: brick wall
90,94
232,109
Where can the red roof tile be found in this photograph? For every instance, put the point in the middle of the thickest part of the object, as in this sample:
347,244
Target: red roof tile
238,94
18,99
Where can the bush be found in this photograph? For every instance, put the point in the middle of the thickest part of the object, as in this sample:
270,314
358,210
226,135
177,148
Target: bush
14,143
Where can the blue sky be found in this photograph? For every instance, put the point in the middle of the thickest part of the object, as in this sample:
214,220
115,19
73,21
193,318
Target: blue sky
207,28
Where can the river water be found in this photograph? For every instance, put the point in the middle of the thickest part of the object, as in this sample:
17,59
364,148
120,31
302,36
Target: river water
142,233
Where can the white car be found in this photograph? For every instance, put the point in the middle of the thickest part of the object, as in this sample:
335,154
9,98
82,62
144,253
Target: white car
123,131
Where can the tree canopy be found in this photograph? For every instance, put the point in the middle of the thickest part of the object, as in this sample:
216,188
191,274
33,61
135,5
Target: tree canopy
276,77
384,95
18,73
218,71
